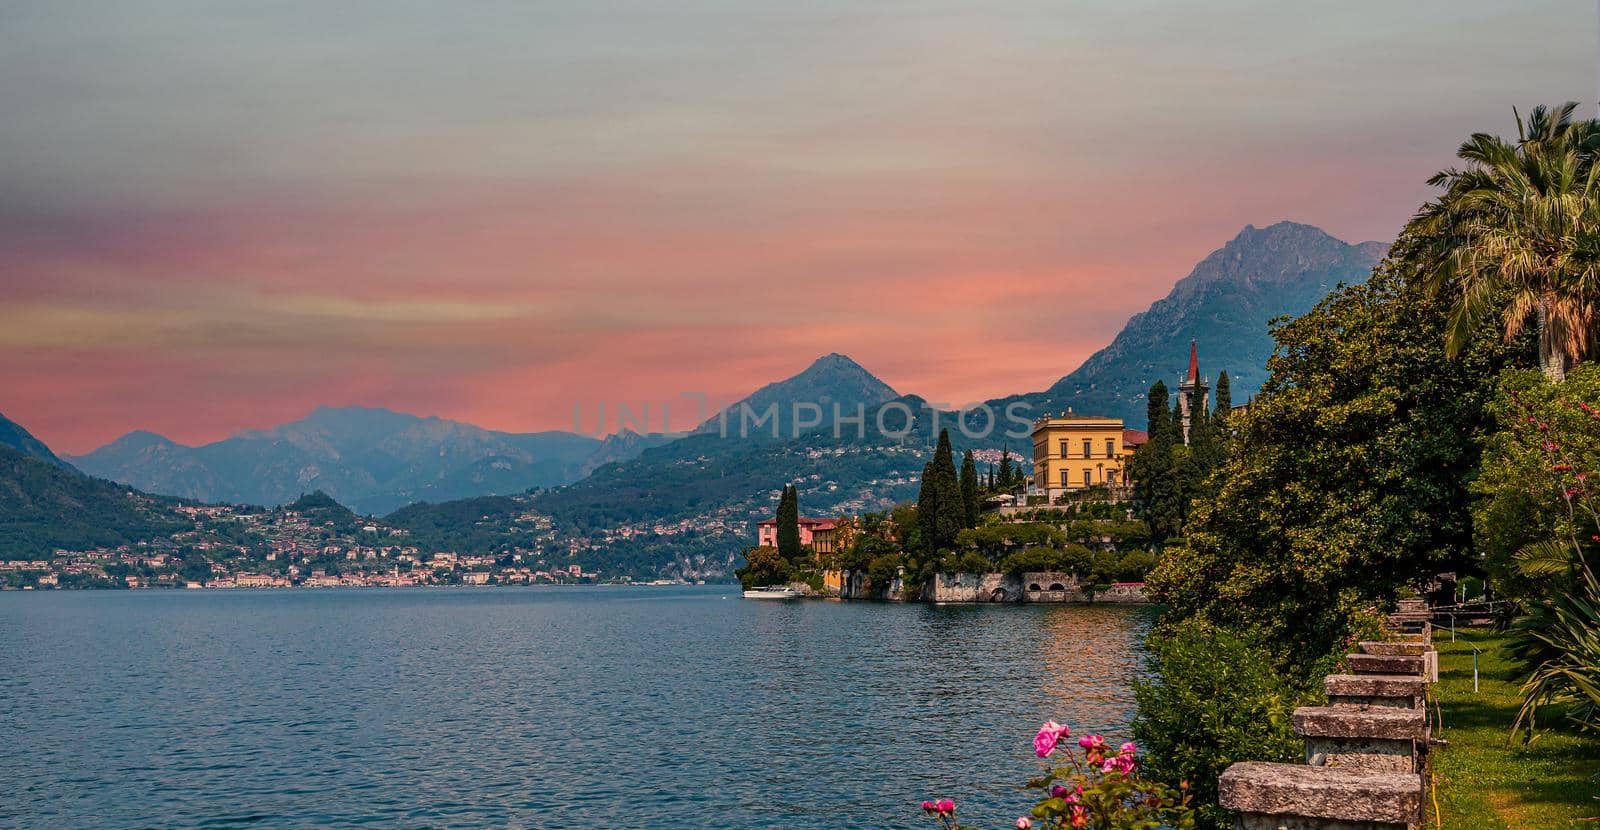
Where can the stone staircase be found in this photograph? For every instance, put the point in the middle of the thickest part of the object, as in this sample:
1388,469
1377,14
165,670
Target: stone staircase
1366,751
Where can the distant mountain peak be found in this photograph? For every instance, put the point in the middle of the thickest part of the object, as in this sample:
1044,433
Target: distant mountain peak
831,379
1222,307
141,438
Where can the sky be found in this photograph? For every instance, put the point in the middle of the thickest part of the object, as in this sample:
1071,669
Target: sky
218,216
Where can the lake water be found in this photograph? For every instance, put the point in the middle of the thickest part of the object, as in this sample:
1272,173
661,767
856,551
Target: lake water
537,708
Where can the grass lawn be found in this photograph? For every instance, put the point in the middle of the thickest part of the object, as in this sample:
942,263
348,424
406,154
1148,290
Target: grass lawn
1484,782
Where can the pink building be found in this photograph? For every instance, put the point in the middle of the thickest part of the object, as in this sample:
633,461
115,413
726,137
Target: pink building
818,533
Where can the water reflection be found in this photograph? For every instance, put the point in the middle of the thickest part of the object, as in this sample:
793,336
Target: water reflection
539,708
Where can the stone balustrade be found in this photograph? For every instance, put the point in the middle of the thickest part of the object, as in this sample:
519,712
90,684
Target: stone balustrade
1366,750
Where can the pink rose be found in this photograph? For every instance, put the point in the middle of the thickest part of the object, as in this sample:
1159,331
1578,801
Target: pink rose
946,806
1092,742
1058,791
1023,823
1129,748
927,806
1049,735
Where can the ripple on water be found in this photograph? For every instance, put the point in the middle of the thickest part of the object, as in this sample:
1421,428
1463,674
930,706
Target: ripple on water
537,708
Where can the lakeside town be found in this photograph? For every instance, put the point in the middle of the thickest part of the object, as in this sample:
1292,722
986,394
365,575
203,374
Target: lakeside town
313,543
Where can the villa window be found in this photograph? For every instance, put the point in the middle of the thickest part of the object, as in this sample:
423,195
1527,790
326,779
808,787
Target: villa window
1065,481
1111,476
1111,448
1088,477
1087,452
1063,449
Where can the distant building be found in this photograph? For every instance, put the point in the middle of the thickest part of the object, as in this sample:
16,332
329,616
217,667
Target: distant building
818,533
1193,391
1072,452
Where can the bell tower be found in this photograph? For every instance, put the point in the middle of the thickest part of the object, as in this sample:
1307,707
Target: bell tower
1193,392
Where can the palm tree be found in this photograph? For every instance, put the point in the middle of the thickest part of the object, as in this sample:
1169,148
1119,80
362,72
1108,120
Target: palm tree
1518,232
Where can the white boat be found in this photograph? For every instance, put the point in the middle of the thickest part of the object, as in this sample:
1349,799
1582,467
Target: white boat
772,592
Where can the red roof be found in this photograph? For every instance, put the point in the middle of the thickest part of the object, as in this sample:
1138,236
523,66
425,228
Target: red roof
1134,437
814,524
1194,363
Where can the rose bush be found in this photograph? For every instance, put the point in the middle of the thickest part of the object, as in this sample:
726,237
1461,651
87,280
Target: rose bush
1097,788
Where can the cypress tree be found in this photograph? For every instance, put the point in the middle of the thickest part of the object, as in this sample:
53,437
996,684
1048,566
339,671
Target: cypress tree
1156,485
969,490
927,508
1155,413
951,513
1006,481
789,524
1224,398
991,477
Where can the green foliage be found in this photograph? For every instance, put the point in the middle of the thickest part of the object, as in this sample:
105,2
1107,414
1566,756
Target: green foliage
998,539
1348,476
788,530
1557,645
969,491
1217,700
319,508
764,565
1514,237
1008,473
1104,788
1156,470
882,571
1074,559
1547,451
971,562
951,513
927,510
46,506
1529,491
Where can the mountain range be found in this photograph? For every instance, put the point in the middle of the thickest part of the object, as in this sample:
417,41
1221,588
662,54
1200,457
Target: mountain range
698,496
374,460
682,504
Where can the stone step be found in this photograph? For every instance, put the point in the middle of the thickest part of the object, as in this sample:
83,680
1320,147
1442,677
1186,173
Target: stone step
1403,691
1371,738
1405,605
1391,648
1270,796
1424,636
1385,664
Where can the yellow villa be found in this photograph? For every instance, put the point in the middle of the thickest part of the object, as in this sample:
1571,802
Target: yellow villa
1072,452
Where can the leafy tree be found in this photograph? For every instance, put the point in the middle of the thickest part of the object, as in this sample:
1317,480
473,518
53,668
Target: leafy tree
969,490
1516,235
1000,538
764,565
1349,475
789,524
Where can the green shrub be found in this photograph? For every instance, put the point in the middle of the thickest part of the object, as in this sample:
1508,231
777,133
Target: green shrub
883,570
764,566
1217,701
973,563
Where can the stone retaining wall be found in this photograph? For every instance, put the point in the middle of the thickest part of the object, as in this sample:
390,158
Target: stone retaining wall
997,587
1366,751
